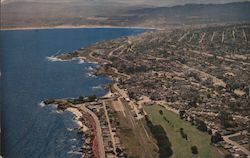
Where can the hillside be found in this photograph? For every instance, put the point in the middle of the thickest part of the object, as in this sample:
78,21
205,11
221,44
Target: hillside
28,14
196,13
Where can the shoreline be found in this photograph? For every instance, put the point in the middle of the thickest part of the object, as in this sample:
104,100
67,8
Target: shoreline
76,27
87,125
101,61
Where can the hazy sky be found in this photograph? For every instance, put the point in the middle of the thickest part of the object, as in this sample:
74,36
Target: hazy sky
148,2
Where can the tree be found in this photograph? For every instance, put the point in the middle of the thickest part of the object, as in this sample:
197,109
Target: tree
161,112
184,135
118,150
81,98
182,113
201,125
216,137
194,150
193,103
225,119
209,131
92,98
228,156
161,138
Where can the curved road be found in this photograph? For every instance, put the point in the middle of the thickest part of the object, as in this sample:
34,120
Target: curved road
98,129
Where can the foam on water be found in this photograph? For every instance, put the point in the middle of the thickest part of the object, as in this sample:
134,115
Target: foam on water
97,87
81,61
42,104
74,152
90,75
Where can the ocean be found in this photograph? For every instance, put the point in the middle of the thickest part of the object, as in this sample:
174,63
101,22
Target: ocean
30,130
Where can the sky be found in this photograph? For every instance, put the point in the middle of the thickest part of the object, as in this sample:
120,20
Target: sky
136,2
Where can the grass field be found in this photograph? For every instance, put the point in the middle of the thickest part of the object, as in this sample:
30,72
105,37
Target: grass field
180,146
131,142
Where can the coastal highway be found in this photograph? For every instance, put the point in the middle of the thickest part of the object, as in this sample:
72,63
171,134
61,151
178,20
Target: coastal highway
98,129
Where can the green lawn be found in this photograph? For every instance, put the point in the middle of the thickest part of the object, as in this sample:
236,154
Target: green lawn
180,146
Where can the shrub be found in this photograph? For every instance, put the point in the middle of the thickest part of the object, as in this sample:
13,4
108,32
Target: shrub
161,112
194,150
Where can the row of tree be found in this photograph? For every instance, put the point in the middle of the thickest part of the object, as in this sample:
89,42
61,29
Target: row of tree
160,136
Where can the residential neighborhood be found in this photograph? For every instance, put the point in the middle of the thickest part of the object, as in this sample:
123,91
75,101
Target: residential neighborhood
202,73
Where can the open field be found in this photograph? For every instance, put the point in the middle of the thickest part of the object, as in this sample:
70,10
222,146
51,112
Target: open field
128,137
180,146
133,136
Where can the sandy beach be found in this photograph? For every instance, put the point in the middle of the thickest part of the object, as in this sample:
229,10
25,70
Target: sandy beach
76,27
75,111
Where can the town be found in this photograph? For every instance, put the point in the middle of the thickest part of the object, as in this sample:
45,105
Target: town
201,74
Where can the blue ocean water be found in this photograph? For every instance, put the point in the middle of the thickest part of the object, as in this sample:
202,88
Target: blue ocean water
27,78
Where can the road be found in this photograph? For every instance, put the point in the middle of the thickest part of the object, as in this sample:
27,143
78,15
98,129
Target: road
222,37
111,53
98,130
212,38
164,104
121,74
182,37
202,38
244,35
120,91
125,95
226,138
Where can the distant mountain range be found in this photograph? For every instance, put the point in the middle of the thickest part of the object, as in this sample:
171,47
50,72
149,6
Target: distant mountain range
26,14
196,13
133,2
